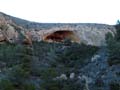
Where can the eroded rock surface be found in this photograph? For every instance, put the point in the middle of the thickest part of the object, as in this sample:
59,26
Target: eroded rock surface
92,34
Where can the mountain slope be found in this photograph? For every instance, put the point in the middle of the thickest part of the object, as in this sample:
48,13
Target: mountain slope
84,57
92,34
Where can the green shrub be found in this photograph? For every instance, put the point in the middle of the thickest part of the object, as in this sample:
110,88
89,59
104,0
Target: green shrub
51,85
117,26
113,45
61,85
53,59
59,58
10,54
113,61
114,86
118,74
73,55
48,73
6,85
99,82
28,87
18,75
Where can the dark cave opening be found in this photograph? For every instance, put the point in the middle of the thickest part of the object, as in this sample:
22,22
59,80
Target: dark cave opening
59,36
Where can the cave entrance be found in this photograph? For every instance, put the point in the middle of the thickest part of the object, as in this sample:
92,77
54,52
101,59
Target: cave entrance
60,36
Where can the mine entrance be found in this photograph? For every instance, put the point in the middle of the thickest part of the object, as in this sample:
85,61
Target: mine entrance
60,36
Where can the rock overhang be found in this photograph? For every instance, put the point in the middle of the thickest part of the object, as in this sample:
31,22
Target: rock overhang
90,35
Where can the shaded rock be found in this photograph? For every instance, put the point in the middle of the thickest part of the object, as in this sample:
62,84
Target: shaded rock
95,57
62,76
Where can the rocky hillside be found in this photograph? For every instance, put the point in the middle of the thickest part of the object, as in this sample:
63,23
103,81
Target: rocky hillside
80,57
11,29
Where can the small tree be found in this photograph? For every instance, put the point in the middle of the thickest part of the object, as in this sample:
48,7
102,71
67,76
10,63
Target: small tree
117,26
113,45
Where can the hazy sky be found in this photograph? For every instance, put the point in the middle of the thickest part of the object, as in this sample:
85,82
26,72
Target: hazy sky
72,11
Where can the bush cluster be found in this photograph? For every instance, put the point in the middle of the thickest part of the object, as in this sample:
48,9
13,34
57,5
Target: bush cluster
53,59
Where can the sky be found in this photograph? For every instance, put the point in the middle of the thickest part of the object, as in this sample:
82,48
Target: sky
64,11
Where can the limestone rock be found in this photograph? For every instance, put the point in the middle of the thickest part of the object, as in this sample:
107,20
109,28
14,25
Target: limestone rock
90,34
72,75
95,57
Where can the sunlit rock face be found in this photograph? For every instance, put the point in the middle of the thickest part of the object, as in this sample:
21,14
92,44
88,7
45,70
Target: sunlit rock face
15,28
92,34
11,32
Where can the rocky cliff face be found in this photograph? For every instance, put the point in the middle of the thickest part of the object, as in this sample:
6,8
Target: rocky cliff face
83,33
12,29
